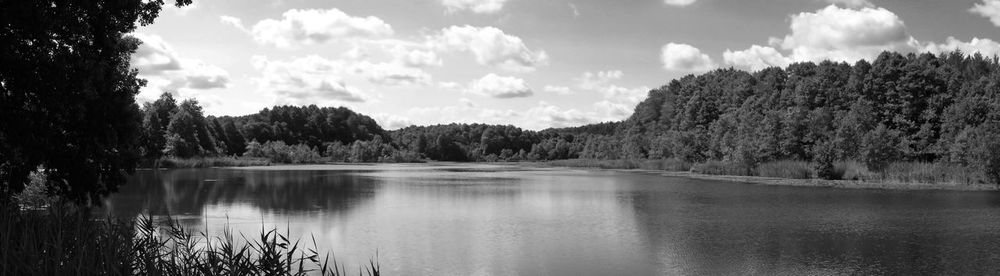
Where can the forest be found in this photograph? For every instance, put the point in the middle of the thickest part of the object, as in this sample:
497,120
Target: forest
916,108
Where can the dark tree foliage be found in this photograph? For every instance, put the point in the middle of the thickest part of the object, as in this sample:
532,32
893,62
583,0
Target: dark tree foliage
156,118
310,125
186,132
67,93
925,104
463,142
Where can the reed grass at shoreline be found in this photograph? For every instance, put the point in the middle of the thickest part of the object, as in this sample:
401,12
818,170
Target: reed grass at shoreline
850,174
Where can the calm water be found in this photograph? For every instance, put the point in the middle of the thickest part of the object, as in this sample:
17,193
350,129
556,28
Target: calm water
493,220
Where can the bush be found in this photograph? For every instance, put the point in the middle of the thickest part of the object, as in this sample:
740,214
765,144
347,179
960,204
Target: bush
987,151
880,148
34,195
279,152
824,154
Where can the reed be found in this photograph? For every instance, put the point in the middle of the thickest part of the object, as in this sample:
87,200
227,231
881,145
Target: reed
916,172
209,162
65,240
791,169
626,164
723,168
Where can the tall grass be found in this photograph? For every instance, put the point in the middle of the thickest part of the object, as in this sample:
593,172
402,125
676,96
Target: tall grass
722,168
628,164
899,172
209,162
66,241
915,172
791,169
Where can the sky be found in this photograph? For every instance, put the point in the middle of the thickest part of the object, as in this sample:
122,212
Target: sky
530,63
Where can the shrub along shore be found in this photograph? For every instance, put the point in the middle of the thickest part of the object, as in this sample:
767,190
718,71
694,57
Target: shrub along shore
852,175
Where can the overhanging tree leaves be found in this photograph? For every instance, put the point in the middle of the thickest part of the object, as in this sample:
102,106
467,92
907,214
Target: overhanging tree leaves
67,93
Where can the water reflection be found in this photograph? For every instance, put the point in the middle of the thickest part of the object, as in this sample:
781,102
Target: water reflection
487,220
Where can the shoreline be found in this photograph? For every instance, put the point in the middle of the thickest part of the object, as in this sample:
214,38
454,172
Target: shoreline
835,184
754,180
775,181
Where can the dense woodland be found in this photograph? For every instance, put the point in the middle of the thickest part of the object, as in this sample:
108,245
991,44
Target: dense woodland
897,108
287,134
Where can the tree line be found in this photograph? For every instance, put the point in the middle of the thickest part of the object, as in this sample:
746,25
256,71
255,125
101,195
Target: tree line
897,108
284,134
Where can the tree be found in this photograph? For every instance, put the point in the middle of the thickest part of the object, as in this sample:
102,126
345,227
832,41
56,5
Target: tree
880,148
987,151
67,93
156,117
187,135
824,154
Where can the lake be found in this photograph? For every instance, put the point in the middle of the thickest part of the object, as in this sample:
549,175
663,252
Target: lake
477,219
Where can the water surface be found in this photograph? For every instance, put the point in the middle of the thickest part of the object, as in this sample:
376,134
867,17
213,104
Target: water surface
451,219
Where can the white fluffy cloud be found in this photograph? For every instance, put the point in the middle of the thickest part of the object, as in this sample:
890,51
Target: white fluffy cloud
984,46
313,26
842,34
685,58
755,58
490,46
391,122
306,80
546,115
618,102
852,3
414,57
989,9
500,87
166,71
476,6
601,78
680,3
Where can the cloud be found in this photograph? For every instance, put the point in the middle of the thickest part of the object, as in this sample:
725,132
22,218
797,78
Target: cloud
989,9
984,46
852,3
755,58
233,21
490,46
391,122
685,58
476,6
390,73
305,80
679,3
414,57
313,26
166,71
552,116
618,102
500,87
595,80
561,90
841,34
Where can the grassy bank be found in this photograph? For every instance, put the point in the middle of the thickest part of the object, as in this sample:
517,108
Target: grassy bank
206,162
67,241
848,174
